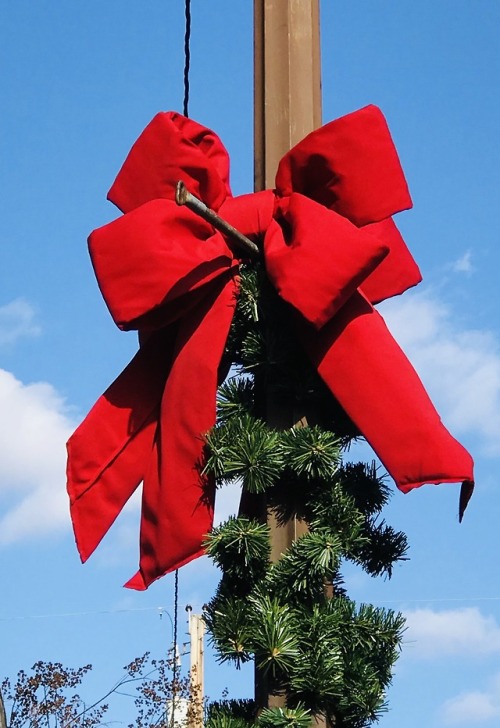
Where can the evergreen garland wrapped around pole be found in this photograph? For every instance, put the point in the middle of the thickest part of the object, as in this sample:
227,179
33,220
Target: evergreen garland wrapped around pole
312,645
281,599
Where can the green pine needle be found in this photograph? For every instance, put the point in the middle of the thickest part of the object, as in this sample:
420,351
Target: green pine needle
230,714
367,487
311,452
241,548
235,398
227,619
275,640
382,548
244,447
298,717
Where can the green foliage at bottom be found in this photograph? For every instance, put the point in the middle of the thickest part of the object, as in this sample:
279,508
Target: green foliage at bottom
313,647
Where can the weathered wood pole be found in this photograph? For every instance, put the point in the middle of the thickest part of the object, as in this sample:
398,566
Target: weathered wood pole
196,633
287,87
3,716
287,106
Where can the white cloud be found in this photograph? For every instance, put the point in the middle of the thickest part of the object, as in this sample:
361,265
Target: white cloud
34,427
17,320
463,631
474,706
460,368
463,264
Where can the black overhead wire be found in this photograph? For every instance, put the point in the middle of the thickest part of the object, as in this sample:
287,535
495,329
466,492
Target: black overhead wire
187,55
185,111
176,605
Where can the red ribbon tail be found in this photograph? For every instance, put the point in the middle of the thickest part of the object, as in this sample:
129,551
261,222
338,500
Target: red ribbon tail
466,492
177,505
94,511
136,582
109,452
374,382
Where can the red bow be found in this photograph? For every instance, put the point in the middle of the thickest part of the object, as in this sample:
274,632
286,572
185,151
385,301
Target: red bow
169,274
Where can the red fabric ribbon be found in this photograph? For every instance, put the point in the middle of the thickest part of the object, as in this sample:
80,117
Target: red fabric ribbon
164,271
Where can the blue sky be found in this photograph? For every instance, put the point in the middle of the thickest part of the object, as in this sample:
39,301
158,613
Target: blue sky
78,82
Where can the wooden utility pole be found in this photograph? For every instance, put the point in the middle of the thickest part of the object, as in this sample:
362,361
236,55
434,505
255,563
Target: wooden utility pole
287,90
287,106
196,633
3,716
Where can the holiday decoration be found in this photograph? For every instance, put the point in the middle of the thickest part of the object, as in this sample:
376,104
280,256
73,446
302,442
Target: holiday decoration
330,249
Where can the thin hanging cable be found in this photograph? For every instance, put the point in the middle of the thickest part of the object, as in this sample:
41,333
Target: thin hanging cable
187,56
185,111
175,667
187,62
176,605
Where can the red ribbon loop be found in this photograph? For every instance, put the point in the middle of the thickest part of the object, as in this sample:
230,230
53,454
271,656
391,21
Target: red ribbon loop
173,147
152,262
349,165
320,258
330,247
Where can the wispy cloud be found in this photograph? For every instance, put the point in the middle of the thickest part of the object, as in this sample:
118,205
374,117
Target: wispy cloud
460,368
439,634
17,320
455,634
34,427
463,264
474,706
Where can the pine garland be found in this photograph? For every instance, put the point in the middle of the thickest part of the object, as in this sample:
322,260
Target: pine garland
311,644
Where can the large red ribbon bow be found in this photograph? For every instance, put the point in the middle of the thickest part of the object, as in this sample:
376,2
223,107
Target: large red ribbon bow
169,274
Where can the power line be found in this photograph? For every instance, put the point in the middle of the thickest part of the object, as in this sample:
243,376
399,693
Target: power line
187,55
198,608
159,610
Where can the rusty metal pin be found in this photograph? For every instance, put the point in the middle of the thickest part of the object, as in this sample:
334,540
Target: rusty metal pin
184,197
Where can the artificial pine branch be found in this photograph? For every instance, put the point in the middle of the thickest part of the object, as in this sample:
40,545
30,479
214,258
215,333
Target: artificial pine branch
243,447
275,637
227,617
310,642
298,717
311,452
235,399
241,549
